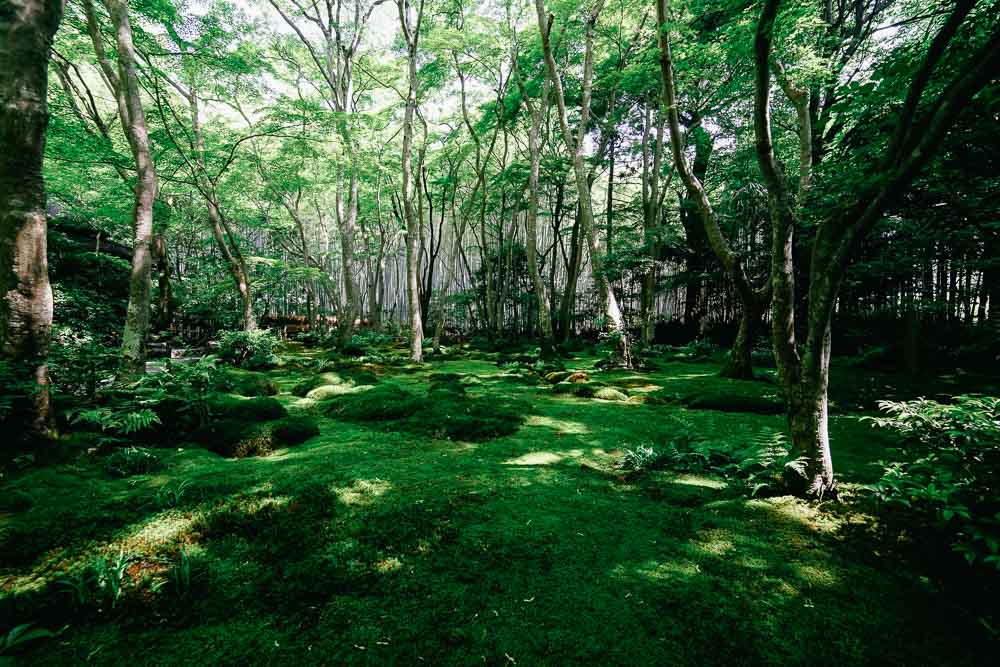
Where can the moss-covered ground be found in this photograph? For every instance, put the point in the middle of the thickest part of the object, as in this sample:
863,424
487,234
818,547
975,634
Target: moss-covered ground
371,544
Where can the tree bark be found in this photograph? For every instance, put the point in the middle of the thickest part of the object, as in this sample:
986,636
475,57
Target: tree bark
137,318
916,140
26,32
531,219
411,33
614,320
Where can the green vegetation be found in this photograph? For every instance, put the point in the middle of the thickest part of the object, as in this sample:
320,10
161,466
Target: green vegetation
537,332
504,509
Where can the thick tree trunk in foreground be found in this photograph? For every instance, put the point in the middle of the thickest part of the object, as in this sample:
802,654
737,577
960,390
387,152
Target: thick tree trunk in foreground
919,131
26,31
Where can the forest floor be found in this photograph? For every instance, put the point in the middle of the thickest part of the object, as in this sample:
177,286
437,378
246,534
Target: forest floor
372,545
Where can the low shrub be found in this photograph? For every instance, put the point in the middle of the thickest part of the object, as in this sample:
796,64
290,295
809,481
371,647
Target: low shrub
128,461
754,468
945,470
248,349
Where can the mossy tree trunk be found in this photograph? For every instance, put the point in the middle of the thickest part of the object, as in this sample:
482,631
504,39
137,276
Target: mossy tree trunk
919,130
26,32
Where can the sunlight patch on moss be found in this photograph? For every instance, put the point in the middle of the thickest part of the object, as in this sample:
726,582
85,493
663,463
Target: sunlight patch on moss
543,458
816,576
714,542
561,425
362,491
699,481
801,512
161,530
387,565
659,570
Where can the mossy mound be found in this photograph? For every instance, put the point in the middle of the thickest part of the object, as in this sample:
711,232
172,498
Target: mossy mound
327,391
247,384
180,416
444,413
260,408
381,403
319,380
235,438
721,400
579,389
610,394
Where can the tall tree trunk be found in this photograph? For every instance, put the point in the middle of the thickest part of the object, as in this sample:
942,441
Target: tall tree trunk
614,320
348,228
165,297
137,318
411,33
531,219
739,362
26,31
568,303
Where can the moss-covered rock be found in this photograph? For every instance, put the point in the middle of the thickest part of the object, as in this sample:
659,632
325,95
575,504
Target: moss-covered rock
327,391
318,380
556,377
610,394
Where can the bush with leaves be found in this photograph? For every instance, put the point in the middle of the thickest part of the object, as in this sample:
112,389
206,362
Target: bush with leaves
117,422
946,470
248,349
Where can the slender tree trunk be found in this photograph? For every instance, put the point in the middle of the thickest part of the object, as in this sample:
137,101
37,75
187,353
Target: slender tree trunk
531,219
411,32
348,227
125,85
26,32
165,297
614,320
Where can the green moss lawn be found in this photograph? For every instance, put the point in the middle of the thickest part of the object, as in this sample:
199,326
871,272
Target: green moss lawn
380,543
